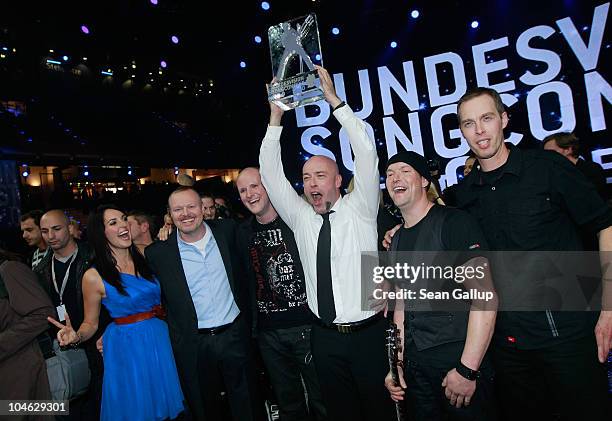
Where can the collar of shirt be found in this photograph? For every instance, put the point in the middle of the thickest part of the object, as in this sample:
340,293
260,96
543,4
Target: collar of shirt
65,259
41,254
200,244
513,165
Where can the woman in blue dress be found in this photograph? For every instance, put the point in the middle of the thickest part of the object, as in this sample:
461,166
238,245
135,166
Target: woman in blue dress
140,377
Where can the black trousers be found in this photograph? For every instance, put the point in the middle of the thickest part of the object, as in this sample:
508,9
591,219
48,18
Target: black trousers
352,369
288,359
562,382
425,399
225,364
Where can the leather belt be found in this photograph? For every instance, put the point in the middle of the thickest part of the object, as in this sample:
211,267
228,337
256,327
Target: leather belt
352,326
157,311
212,331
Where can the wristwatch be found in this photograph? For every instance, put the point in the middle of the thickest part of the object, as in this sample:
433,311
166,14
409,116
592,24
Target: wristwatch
467,372
342,104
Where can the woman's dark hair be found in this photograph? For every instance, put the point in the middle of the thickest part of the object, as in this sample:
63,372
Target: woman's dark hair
104,261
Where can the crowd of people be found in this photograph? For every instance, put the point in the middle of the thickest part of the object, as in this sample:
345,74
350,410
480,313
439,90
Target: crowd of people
172,320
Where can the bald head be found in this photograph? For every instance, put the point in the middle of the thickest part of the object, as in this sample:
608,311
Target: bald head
321,182
57,215
248,172
320,161
57,232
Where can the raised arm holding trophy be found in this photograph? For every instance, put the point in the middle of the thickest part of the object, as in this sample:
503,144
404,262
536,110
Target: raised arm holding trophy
331,231
295,50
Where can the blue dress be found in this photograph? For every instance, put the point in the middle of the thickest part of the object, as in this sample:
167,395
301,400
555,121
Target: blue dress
140,377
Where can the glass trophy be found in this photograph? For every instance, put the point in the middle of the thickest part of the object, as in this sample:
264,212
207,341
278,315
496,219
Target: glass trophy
295,49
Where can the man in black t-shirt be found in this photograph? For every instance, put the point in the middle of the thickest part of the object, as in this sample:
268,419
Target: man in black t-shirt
280,310
532,200
446,348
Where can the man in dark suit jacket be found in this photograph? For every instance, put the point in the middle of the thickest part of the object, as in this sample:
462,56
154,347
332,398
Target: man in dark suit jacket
200,273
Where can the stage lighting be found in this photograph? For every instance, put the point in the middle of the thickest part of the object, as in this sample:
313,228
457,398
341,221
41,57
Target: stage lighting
265,5
25,174
176,171
318,57
474,24
257,39
85,29
242,64
335,30
393,44
65,58
415,14
129,172
86,173
163,64
153,2
53,62
174,39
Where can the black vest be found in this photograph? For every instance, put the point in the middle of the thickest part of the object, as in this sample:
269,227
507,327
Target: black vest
432,328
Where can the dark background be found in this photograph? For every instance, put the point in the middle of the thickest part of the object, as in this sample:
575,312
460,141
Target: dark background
90,119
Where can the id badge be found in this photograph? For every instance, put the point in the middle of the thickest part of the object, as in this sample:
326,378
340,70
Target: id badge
61,312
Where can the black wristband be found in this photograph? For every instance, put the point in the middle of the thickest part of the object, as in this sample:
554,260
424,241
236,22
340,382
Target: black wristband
342,104
467,372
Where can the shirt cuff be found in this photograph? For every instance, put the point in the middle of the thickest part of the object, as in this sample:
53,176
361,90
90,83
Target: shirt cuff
274,133
343,113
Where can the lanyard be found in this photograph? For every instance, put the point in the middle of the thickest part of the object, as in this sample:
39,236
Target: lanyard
60,292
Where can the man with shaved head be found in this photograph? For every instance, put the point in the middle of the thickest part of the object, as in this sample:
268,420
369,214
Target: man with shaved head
61,272
331,231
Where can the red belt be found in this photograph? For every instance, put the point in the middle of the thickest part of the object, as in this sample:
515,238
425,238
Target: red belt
157,311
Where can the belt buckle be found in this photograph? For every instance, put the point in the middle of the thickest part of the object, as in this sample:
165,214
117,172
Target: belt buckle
342,328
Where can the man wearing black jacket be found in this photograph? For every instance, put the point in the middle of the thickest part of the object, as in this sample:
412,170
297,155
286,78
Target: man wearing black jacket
203,289
61,273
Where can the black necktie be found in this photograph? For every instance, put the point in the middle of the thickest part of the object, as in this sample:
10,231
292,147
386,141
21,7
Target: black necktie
325,293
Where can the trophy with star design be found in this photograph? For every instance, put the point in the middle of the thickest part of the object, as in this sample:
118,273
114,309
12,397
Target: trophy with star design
295,48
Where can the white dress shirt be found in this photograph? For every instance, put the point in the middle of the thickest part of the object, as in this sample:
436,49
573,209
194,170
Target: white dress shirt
353,223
